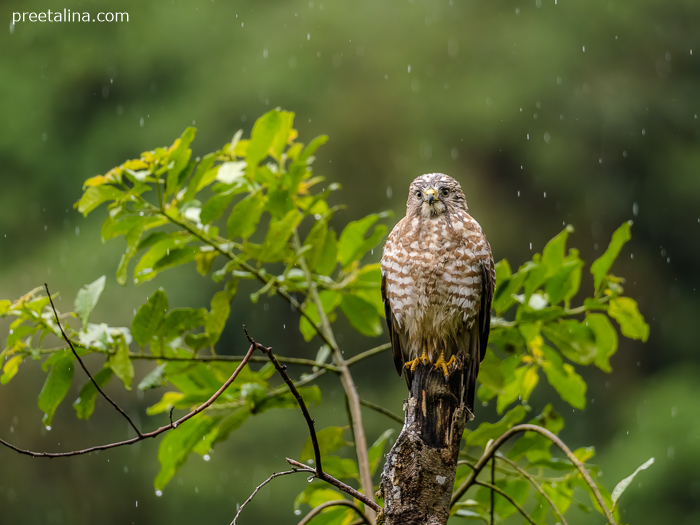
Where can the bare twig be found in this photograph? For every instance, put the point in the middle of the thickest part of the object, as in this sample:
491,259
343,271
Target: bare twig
490,451
381,410
334,503
274,475
503,493
146,435
368,353
342,486
234,358
282,369
532,480
117,407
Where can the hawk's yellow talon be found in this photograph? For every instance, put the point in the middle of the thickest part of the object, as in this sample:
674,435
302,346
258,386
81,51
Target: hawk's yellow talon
442,364
413,363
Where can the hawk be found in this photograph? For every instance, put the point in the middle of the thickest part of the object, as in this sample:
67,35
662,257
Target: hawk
438,280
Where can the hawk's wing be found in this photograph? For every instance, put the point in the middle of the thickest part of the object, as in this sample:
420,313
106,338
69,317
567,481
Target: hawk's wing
398,336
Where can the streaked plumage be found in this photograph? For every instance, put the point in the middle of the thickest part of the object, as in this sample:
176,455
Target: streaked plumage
438,279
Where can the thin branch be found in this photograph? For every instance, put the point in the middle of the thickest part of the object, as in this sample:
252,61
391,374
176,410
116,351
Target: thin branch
274,475
147,435
342,486
117,407
372,351
228,358
334,503
282,369
381,410
490,451
532,480
503,493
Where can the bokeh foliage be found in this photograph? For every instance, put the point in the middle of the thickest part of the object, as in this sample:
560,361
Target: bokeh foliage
240,213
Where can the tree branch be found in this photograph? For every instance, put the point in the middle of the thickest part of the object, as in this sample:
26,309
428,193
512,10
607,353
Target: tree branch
141,437
300,400
342,486
503,493
490,451
381,410
334,503
532,480
117,407
228,358
368,353
274,475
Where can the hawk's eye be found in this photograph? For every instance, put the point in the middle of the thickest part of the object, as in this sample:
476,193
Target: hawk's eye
419,194
445,192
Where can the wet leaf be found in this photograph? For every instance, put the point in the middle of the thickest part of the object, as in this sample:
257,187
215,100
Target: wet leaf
330,439
622,486
96,195
624,310
362,315
149,317
605,339
87,298
602,265
57,384
85,404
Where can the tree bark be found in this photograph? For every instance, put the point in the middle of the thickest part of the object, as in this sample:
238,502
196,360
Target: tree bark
419,473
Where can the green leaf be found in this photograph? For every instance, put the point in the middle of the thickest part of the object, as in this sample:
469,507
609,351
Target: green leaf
261,138
121,226
490,374
312,147
149,317
488,431
87,298
177,445
178,160
362,315
5,306
605,339
353,245
330,299
562,376
96,195
622,486
220,310
199,180
516,489
315,240
85,404
340,468
624,310
245,216
573,339
133,238
154,379
10,369
121,364
215,207
330,439
534,445
231,424
560,493
327,259
146,268
602,265
376,450
57,384
181,320
276,241
279,142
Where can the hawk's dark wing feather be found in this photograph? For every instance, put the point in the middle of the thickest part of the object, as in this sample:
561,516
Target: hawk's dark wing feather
397,335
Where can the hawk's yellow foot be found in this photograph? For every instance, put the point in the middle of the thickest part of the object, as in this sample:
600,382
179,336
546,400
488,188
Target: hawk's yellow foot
413,363
441,363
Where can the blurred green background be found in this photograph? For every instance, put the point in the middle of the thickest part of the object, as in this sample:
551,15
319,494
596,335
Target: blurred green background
548,113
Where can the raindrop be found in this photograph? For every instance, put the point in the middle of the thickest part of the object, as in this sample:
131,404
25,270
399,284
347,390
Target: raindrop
159,493
519,196
455,153
48,428
141,214
531,246
558,80
174,425
546,138
674,411
206,457
44,136
528,136
635,209
584,49
644,132
409,68
264,53
77,229
141,122
297,512
671,452
624,153
389,192
196,490
310,479
12,31
308,36
545,194
631,256
317,216
126,469
284,327
137,503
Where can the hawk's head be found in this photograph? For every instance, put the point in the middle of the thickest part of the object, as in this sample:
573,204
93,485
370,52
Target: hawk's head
433,194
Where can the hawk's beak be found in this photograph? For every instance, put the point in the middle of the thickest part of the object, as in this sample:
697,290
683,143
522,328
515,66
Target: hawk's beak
430,196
